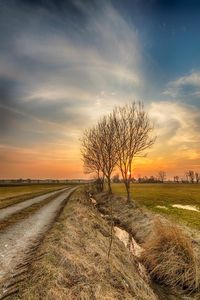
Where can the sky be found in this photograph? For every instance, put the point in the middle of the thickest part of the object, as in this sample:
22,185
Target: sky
64,64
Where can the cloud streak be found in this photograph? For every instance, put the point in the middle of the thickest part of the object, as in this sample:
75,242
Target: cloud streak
64,64
177,127
50,66
55,81
185,86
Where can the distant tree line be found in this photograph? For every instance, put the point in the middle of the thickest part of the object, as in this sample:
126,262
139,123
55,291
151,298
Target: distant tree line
140,179
115,141
189,177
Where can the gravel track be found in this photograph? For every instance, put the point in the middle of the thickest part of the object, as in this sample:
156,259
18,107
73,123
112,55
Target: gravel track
8,211
16,240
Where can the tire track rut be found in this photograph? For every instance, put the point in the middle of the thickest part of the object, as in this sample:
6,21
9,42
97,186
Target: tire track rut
8,211
19,242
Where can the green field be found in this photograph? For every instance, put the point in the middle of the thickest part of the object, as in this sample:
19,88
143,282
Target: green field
15,194
153,195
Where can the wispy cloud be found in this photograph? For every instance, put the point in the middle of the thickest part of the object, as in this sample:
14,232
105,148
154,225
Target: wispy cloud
58,79
63,66
184,86
72,68
177,127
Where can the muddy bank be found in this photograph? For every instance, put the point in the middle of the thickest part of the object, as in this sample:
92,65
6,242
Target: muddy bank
128,216
137,221
140,225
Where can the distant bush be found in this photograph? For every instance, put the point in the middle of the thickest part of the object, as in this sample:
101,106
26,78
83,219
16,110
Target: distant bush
171,258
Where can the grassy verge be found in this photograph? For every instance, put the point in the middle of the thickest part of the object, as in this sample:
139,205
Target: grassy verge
15,194
153,195
76,264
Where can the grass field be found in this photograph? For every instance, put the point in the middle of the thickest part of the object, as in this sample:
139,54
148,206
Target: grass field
15,194
153,195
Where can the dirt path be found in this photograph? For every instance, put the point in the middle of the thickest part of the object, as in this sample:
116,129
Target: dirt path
8,211
16,241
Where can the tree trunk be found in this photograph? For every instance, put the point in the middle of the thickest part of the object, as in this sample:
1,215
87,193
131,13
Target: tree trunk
109,185
102,183
127,184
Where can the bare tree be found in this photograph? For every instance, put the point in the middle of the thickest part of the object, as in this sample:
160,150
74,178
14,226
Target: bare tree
106,136
176,179
197,177
98,150
91,155
133,135
190,175
162,176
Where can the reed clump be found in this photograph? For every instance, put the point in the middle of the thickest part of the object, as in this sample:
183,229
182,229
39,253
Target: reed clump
171,258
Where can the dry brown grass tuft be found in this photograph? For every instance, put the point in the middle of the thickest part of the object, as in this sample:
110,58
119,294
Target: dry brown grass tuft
171,258
76,267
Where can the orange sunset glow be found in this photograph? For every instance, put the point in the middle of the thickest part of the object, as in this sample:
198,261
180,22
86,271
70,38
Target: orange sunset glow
56,81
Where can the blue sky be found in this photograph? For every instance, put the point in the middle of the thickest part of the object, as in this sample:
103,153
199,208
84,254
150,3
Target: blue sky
63,64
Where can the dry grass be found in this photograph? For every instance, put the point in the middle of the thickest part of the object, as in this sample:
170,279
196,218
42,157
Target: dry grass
76,265
169,253
170,257
128,216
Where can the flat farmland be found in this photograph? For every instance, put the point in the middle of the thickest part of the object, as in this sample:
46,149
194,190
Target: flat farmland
14,194
161,198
